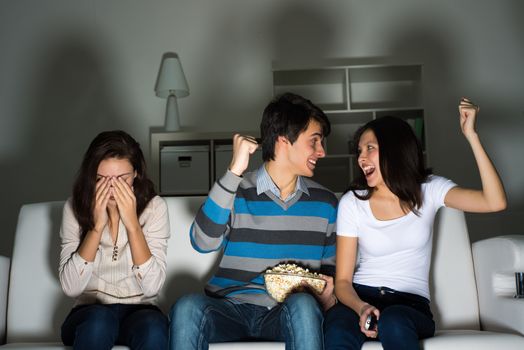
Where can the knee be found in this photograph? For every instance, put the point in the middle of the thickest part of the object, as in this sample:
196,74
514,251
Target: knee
145,328
301,318
340,317
394,323
98,324
303,307
302,302
153,324
189,322
154,331
187,306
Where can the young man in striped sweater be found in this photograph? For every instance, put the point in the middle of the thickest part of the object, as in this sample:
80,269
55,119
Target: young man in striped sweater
260,219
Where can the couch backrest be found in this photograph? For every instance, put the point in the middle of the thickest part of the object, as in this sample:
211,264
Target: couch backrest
37,305
188,270
452,279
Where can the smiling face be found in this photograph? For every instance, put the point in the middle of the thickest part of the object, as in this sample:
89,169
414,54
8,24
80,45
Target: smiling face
368,158
115,168
303,154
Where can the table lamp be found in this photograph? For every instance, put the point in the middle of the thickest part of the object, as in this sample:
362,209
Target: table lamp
171,84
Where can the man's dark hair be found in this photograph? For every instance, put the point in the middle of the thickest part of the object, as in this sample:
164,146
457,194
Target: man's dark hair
288,115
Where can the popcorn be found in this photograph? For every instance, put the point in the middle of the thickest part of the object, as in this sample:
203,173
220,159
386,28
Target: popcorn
283,279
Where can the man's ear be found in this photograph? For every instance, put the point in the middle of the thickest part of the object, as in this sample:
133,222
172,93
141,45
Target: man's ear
282,139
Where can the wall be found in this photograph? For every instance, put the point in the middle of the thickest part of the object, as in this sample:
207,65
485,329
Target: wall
70,69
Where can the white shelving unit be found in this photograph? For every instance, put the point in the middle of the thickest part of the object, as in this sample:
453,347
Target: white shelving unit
189,162
351,95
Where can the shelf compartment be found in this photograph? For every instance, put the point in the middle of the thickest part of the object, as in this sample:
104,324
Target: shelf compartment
385,87
327,88
343,128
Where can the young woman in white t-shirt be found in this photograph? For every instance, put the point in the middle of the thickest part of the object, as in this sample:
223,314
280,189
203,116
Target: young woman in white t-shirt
388,214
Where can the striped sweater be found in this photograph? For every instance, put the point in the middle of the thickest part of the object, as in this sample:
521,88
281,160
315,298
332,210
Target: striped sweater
259,231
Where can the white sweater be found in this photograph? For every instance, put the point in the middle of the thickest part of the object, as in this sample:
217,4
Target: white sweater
106,281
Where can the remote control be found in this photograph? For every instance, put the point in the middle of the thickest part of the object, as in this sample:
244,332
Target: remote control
371,322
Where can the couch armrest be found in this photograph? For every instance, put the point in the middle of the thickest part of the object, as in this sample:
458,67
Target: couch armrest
4,283
496,260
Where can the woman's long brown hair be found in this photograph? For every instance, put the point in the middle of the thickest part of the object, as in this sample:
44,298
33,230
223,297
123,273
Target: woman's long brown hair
109,144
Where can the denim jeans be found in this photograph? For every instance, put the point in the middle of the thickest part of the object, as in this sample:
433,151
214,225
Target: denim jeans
404,319
197,320
99,326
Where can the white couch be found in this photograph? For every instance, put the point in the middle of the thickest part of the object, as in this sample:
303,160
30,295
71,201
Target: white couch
472,302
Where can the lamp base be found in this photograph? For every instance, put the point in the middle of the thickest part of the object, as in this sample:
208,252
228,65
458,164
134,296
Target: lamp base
172,121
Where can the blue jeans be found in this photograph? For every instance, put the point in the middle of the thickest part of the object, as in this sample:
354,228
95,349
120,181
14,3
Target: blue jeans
404,319
99,326
197,320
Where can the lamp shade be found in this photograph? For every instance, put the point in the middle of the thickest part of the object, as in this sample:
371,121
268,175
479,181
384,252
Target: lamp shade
171,79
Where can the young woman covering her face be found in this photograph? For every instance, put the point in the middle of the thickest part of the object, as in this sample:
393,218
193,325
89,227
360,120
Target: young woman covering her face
388,213
113,255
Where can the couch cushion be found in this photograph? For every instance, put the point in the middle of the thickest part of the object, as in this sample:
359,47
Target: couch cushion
470,339
452,279
443,340
187,270
36,304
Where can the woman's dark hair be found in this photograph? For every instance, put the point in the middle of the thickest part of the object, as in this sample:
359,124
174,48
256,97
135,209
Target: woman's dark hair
401,161
109,144
288,115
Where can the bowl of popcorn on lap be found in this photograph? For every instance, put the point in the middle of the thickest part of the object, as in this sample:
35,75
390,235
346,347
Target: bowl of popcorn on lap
285,279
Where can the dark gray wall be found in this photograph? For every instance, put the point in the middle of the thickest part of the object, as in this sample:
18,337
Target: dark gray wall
71,69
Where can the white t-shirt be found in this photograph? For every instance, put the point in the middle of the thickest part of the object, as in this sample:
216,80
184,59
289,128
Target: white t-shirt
394,253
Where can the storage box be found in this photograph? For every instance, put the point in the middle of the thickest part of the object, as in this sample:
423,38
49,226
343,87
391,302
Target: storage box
184,170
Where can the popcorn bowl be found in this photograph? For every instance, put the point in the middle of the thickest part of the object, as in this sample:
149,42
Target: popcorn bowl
280,285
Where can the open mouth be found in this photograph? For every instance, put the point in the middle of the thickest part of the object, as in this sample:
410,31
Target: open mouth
312,163
368,170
